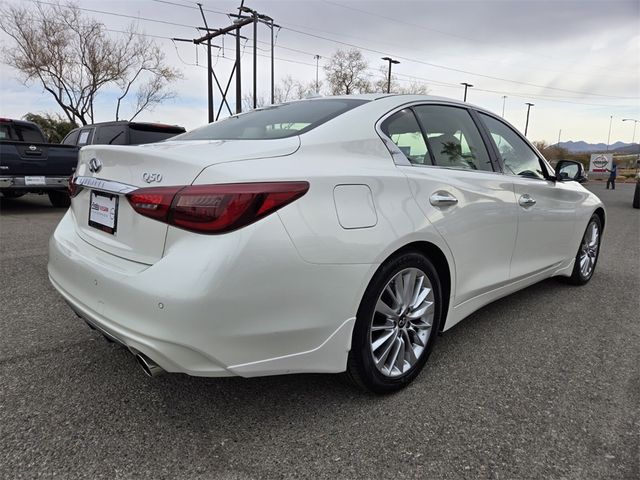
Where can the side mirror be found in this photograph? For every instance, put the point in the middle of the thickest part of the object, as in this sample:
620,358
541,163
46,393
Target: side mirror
568,170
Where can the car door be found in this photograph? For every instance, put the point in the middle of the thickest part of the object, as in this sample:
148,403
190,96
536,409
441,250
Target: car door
546,209
451,176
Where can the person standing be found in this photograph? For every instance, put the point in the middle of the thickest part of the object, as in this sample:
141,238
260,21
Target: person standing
612,175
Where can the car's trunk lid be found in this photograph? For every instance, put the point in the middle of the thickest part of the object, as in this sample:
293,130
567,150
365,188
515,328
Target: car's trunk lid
104,217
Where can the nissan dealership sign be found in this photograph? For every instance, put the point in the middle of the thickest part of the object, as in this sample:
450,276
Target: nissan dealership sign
601,162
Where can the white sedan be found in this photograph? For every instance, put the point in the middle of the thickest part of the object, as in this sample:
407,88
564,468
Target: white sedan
337,234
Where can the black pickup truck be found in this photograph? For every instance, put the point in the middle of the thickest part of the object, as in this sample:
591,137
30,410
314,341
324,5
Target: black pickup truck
30,165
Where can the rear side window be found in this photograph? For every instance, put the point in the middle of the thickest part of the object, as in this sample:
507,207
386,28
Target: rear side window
403,129
71,138
518,158
278,121
453,137
84,137
4,132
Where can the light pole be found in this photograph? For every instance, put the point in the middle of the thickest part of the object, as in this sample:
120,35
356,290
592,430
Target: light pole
390,60
635,122
317,58
526,126
466,86
504,99
609,136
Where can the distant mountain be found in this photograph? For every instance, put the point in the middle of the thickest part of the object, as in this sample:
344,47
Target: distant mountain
584,147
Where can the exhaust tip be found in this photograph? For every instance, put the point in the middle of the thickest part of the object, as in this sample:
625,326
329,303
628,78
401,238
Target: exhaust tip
149,367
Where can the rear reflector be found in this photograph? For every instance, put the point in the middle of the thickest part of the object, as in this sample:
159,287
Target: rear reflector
215,209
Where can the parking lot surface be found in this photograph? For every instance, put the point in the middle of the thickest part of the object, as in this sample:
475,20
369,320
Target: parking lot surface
542,384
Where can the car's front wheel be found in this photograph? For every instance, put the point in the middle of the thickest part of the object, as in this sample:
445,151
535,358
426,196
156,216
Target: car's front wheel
588,252
396,324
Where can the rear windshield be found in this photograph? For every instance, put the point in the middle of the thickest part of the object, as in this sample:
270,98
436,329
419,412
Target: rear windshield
149,136
278,121
27,133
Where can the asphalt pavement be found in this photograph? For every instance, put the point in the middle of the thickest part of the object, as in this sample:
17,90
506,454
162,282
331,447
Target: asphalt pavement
542,384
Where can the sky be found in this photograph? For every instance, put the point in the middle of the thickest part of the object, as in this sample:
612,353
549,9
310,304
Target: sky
578,62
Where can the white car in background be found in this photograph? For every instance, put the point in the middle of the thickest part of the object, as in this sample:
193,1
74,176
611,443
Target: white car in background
326,235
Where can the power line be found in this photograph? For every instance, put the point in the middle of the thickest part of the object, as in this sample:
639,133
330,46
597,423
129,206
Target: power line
435,82
442,32
459,70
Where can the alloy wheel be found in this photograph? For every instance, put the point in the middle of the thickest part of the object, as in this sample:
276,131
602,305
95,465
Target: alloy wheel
402,322
589,249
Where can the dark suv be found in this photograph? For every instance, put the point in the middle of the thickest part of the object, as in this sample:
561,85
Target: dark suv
121,133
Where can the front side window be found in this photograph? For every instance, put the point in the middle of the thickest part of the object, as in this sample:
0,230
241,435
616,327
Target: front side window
403,129
453,137
278,121
518,158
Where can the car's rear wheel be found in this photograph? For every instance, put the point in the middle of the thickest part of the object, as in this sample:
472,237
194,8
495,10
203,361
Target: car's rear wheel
396,324
587,256
59,199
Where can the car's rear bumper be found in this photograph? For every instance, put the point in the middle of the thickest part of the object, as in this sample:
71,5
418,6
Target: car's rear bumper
241,304
33,183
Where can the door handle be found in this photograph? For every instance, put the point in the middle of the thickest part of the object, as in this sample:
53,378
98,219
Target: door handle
442,199
526,200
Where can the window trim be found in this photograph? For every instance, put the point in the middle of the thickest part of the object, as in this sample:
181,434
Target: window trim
541,161
400,158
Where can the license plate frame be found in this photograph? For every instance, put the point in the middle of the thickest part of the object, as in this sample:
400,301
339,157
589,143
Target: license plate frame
103,211
35,181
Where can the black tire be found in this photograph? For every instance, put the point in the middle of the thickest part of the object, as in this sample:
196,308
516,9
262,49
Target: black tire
577,276
59,199
361,368
636,196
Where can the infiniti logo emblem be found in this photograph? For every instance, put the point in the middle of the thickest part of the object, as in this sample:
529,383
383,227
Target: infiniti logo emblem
151,177
95,165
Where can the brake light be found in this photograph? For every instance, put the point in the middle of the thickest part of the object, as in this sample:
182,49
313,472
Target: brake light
153,202
73,187
215,209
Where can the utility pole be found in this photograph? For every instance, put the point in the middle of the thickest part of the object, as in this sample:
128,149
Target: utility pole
390,60
238,76
609,135
526,127
466,86
273,85
317,58
504,99
559,133
209,69
255,59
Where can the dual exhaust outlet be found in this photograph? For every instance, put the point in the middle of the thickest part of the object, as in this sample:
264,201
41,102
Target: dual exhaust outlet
149,367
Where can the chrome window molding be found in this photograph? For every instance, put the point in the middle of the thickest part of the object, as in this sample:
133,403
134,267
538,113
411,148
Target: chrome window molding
400,158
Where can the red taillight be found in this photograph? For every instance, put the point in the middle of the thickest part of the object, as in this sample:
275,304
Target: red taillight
153,202
72,187
215,208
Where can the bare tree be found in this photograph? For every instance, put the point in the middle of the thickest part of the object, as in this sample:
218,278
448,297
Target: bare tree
287,90
345,72
73,58
412,88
